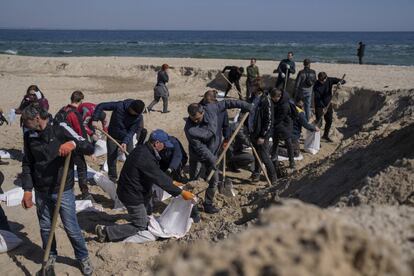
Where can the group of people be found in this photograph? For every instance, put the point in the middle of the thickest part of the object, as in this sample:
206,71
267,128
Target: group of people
161,158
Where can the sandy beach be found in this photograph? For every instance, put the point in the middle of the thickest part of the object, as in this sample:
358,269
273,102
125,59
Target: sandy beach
349,210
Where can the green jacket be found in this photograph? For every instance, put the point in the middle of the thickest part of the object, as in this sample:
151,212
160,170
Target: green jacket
252,72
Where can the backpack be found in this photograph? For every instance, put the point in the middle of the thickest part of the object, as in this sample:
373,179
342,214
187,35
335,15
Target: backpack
309,80
61,116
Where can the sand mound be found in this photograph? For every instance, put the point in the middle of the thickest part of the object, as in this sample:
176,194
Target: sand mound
291,239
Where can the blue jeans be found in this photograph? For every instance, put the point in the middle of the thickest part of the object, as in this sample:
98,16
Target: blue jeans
45,204
307,102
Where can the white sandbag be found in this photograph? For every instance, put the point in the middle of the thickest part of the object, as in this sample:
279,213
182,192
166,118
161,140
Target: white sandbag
5,154
14,197
121,156
86,206
109,187
312,142
141,237
160,194
11,116
175,221
105,166
8,241
100,148
284,158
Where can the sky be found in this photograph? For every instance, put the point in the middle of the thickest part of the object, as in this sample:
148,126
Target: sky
235,15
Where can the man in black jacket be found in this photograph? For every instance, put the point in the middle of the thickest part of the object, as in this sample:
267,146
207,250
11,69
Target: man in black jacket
203,135
285,69
323,96
361,52
304,85
260,128
45,149
235,75
126,120
141,170
282,124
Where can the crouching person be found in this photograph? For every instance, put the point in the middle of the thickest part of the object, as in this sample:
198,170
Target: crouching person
140,171
45,148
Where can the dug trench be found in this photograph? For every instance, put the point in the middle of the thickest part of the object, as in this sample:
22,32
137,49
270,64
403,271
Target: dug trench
349,211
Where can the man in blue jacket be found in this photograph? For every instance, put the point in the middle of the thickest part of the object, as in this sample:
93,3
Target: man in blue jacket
126,120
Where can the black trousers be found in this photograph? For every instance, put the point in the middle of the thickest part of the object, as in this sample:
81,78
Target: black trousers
156,100
327,116
360,59
138,221
280,83
237,84
263,151
81,168
4,224
289,146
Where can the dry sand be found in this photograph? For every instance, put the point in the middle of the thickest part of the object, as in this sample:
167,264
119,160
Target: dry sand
364,181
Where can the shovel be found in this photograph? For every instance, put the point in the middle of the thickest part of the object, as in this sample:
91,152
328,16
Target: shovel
226,185
49,270
113,140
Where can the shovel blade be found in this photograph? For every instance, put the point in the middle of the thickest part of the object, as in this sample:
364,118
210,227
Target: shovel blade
46,271
226,188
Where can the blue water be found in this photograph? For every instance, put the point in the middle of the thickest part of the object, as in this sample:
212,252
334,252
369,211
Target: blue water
336,47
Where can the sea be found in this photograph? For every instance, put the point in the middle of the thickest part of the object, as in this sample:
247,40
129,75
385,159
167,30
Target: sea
387,48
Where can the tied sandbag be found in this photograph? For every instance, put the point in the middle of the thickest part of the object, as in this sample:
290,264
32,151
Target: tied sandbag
121,156
89,173
312,142
141,237
109,187
86,206
8,241
14,197
100,148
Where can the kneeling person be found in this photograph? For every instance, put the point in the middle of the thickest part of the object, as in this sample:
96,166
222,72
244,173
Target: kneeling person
141,170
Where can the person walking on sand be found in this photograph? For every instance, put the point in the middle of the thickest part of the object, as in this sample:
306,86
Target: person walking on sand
161,89
361,52
285,66
252,76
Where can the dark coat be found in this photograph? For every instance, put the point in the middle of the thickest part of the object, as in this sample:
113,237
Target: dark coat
42,165
160,89
122,125
234,73
323,92
173,158
140,171
282,120
260,122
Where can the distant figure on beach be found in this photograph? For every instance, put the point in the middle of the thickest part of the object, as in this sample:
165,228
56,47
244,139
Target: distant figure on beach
252,76
161,89
285,69
235,73
361,52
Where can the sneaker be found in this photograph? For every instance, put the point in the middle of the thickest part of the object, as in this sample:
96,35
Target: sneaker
255,177
101,233
86,266
210,209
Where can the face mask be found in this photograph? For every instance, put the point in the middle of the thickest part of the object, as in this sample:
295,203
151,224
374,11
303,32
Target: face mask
38,95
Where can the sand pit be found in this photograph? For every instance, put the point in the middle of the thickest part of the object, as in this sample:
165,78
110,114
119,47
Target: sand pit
364,180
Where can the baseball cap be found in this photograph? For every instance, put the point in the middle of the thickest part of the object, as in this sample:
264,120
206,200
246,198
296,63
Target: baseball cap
162,136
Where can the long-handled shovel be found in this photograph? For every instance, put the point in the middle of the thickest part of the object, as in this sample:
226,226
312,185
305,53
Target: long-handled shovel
286,79
113,140
48,270
262,166
223,153
238,92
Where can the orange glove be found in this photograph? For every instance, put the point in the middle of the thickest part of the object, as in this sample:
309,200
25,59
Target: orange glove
66,148
187,195
27,200
178,184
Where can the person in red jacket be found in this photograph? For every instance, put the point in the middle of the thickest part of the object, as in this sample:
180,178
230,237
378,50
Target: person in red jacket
70,115
86,110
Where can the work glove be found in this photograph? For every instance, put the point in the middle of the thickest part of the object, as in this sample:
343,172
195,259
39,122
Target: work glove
66,148
187,195
27,200
287,66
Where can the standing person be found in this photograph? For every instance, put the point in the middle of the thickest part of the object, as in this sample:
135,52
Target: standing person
141,170
203,140
161,89
69,114
252,77
235,74
45,147
361,52
33,96
260,127
323,96
282,124
126,120
286,65
304,85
